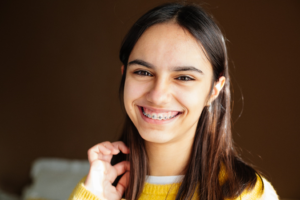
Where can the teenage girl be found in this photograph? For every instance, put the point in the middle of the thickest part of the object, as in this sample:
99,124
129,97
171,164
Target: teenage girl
177,135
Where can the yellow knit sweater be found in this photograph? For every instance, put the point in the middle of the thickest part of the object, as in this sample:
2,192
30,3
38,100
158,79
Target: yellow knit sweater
169,191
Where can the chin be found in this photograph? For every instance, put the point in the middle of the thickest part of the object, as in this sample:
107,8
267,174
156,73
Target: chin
155,136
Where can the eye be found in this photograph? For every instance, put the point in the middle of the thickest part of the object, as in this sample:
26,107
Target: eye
185,78
143,73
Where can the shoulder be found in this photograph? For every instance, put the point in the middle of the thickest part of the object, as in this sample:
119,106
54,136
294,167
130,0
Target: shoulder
263,190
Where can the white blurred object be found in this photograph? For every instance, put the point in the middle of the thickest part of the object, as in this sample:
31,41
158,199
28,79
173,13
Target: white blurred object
5,196
55,179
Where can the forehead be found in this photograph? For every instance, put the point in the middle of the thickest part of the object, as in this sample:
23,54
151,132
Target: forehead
169,45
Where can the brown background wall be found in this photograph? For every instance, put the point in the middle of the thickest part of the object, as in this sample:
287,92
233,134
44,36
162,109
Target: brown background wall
60,74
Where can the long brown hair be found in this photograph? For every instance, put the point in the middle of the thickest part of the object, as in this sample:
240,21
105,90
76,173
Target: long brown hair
213,152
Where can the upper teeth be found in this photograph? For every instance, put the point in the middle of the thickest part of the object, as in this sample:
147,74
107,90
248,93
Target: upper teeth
158,116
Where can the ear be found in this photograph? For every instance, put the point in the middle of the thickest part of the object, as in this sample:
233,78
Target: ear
122,69
216,90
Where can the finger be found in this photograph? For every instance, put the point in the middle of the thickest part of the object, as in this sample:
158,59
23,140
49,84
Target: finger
123,184
106,158
122,167
111,147
98,151
121,146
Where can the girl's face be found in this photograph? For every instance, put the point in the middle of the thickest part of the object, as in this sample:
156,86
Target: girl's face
168,82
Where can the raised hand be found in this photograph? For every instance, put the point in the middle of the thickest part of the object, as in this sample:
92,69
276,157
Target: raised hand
102,174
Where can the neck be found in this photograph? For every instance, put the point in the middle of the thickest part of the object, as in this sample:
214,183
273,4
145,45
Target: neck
168,159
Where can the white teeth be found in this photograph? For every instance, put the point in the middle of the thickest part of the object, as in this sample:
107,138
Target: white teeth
159,116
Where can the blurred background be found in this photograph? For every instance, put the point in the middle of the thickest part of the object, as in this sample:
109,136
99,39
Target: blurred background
60,75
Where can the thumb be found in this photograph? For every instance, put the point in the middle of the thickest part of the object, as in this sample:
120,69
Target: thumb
123,184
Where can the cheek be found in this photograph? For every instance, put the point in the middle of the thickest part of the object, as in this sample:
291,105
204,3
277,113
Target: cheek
193,99
132,92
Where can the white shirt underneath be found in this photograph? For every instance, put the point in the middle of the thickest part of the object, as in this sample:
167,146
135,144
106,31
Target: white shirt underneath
163,180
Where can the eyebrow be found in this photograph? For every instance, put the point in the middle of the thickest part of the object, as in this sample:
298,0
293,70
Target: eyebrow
141,62
177,69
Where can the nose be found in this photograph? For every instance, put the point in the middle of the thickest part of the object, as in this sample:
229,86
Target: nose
160,93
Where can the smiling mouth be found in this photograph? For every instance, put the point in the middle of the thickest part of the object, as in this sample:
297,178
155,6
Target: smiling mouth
159,115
